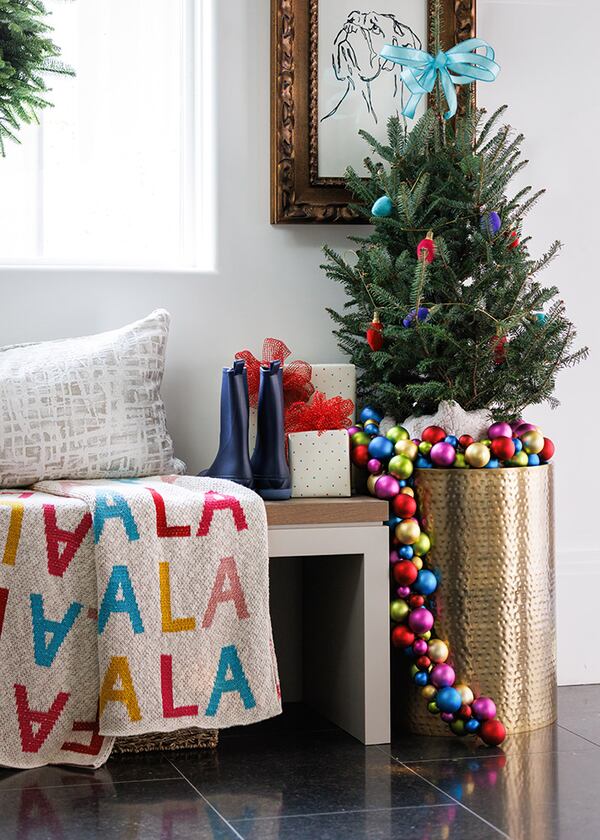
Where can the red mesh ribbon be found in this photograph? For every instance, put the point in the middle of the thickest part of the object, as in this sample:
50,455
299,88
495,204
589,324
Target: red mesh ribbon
297,386
320,415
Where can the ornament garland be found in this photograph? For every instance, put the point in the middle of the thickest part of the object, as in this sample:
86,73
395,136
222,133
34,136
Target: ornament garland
391,460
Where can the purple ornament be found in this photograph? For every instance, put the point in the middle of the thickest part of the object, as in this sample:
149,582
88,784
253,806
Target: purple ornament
491,222
407,322
524,427
353,430
386,487
374,466
420,621
422,313
443,454
394,558
403,591
497,430
420,647
416,441
516,423
447,717
484,708
442,675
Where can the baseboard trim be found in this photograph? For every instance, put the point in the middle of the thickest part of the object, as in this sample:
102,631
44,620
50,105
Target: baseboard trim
577,582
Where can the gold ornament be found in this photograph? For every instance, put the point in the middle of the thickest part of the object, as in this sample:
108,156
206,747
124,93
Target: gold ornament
408,531
407,448
426,636
371,483
438,651
418,563
477,455
466,695
428,692
408,491
533,442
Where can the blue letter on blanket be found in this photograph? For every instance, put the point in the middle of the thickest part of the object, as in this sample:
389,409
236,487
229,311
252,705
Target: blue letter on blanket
119,579
113,506
45,654
229,661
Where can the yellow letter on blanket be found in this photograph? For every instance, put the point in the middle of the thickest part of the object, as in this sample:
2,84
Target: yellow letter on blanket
14,530
170,624
119,669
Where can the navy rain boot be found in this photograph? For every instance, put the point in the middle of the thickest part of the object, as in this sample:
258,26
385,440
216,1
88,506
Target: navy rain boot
233,460
269,465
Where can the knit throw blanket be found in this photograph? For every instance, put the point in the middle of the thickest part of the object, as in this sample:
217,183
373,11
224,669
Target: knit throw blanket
129,607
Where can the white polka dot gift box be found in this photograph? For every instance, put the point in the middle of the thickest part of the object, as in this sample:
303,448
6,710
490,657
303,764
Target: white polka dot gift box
319,463
337,379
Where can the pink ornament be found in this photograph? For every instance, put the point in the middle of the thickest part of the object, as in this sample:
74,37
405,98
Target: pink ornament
403,591
353,430
447,717
420,621
374,466
443,454
524,427
416,441
484,708
443,675
394,557
420,647
386,487
516,423
500,430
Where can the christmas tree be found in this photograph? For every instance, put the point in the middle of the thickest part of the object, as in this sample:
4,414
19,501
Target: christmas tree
474,324
26,52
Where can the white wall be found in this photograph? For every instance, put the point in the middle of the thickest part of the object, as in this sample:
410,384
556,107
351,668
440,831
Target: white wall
269,283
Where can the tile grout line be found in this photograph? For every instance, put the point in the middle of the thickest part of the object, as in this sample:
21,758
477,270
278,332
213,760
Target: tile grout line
578,735
456,801
349,811
210,805
92,780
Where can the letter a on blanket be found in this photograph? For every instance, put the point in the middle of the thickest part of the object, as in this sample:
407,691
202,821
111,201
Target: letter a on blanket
113,506
217,501
230,662
118,670
58,561
45,654
46,721
219,595
120,580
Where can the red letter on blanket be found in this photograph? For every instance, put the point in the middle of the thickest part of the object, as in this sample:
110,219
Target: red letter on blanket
14,530
30,741
166,687
216,501
3,600
58,562
94,745
227,569
119,670
162,529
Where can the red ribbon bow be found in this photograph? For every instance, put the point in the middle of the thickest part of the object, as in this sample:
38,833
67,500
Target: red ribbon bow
297,386
320,415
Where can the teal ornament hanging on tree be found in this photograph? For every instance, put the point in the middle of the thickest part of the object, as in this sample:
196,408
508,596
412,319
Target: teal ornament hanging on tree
383,207
460,65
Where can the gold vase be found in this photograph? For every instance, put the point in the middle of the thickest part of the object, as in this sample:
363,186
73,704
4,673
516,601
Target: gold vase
492,534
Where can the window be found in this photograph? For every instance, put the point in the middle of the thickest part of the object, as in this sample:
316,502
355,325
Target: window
120,171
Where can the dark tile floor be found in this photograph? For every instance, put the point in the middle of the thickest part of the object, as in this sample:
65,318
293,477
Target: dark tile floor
299,777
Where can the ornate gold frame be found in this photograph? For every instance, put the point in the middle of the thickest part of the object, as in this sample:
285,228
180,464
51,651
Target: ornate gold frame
298,195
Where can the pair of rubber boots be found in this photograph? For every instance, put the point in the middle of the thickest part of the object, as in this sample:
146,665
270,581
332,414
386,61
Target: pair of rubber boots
266,471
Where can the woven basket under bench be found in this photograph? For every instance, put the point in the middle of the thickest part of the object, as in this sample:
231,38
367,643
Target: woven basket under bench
182,739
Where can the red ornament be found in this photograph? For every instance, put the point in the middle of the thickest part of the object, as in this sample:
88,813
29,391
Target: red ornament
433,434
499,349
423,662
503,448
492,733
402,636
547,450
404,505
416,601
360,456
465,712
405,572
426,248
375,333
465,440
514,239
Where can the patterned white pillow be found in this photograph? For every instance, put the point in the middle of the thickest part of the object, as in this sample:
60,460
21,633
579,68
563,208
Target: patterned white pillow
86,407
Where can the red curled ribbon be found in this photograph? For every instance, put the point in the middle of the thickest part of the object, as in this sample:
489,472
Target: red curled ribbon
320,415
297,386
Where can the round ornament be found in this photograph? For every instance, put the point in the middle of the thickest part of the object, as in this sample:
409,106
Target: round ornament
438,650
503,447
547,451
491,223
360,438
414,602
399,610
381,448
420,621
458,727
519,459
397,433
429,691
448,699
401,467
404,506
408,491
383,207
405,573
371,481
425,447
442,675
465,440
443,454
426,584
432,708
471,726
406,552
374,466
386,487
418,563
422,545
460,462
499,430
533,460
477,455
432,435
421,678
360,456
407,448
402,637
370,413
533,442
466,695
484,708
408,532
371,428
492,733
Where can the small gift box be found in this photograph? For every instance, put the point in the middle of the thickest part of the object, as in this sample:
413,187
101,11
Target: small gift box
339,379
319,463
319,446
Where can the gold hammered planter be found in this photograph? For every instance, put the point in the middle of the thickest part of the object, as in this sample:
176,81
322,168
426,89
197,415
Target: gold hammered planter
492,534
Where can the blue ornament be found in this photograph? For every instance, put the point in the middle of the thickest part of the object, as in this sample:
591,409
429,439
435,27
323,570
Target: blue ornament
472,725
395,520
370,413
422,313
371,428
402,482
518,445
533,460
408,651
540,318
383,207
492,464
422,463
381,448
448,699
407,552
452,440
421,678
426,582
407,322
491,223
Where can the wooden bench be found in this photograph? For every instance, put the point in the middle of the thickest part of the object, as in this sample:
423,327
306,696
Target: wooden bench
346,606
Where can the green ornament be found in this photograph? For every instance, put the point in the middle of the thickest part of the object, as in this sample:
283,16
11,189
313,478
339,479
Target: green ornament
399,610
400,466
432,707
519,459
459,462
425,447
422,545
360,439
458,727
397,433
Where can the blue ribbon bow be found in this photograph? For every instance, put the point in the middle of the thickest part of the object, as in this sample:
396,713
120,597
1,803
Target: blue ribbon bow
460,65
